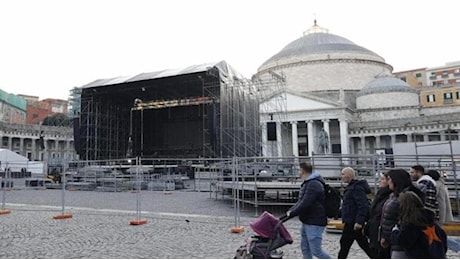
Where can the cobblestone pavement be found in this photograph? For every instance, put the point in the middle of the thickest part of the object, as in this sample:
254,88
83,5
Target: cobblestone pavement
179,225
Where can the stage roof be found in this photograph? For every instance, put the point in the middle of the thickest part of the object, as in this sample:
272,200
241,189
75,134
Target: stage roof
227,72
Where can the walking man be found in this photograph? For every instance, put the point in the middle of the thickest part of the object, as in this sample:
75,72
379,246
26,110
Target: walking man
355,207
311,210
426,184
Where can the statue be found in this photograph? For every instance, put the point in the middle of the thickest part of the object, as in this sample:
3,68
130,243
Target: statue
323,141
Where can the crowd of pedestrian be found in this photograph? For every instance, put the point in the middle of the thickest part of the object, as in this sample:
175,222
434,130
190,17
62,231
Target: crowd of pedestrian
403,220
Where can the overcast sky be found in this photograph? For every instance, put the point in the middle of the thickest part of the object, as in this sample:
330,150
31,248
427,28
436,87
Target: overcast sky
48,47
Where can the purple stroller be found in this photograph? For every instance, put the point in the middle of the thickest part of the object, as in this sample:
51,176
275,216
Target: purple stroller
270,235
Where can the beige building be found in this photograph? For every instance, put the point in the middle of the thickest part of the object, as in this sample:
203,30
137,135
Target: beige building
415,78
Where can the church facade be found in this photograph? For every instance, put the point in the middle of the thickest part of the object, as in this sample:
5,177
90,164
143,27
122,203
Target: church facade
338,89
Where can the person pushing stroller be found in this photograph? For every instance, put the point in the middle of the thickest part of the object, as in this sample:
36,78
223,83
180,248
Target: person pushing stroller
311,210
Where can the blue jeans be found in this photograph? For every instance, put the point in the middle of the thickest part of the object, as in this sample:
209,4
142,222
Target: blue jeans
453,244
311,240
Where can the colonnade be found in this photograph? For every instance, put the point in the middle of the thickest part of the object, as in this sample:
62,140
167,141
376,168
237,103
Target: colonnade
312,127
30,147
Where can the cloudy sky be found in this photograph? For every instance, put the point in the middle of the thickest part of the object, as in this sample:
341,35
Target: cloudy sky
48,47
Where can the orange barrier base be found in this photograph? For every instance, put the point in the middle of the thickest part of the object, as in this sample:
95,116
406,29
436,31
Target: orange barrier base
237,229
452,228
167,192
138,222
63,216
334,226
5,211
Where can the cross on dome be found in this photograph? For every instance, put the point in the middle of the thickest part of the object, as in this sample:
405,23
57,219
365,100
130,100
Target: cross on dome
315,29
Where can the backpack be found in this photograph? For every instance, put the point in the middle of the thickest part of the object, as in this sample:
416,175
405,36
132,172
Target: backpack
332,201
437,245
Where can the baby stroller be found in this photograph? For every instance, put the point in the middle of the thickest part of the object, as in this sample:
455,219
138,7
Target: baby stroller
270,235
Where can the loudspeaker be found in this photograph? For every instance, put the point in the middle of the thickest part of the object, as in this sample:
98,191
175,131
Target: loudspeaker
271,131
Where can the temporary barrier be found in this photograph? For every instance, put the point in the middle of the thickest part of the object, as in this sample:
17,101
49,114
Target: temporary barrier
217,187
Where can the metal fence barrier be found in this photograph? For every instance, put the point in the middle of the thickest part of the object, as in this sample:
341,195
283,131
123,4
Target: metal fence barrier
232,186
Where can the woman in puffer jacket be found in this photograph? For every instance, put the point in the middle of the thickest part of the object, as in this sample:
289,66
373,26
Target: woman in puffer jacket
398,180
375,215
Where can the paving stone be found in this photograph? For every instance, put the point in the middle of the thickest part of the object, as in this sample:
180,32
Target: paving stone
180,225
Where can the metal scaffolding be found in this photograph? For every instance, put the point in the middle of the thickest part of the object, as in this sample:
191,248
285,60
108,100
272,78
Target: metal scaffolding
207,113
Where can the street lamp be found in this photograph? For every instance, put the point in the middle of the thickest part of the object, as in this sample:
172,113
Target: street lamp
138,106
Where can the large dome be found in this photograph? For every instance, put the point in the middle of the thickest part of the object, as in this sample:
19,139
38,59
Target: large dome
318,43
320,61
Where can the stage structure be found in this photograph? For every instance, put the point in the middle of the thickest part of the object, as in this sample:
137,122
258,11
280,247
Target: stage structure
208,111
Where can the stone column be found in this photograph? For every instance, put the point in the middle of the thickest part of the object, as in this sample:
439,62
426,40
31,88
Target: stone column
310,137
377,141
344,139
264,139
326,128
393,140
363,144
21,146
10,143
442,135
295,141
409,138
56,145
34,150
425,137
279,143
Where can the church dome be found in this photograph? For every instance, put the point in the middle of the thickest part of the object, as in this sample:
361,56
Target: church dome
320,43
321,61
385,84
387,97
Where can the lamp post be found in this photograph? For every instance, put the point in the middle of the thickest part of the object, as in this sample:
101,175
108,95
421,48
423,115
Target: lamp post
138,106
142,132
129,152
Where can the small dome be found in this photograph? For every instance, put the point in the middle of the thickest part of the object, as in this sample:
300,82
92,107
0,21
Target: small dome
384,84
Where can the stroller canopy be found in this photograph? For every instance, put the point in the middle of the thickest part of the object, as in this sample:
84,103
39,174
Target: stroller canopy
269,226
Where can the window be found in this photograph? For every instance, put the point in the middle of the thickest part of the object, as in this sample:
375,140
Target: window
448,98
418,75
445,74
403,79
430,98
458,95
457,72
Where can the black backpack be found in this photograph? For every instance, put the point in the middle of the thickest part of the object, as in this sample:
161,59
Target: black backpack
332,201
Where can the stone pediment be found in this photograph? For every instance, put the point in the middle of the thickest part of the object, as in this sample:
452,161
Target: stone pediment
293,102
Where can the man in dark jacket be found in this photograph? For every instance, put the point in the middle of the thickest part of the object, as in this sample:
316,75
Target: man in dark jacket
311,210
355,207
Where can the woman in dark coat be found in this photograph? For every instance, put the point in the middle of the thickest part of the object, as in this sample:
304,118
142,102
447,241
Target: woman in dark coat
398,180
375,215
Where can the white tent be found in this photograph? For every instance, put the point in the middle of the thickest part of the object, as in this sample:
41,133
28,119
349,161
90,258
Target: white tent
15,162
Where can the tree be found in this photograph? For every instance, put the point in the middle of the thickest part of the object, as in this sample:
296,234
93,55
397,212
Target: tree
58,119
